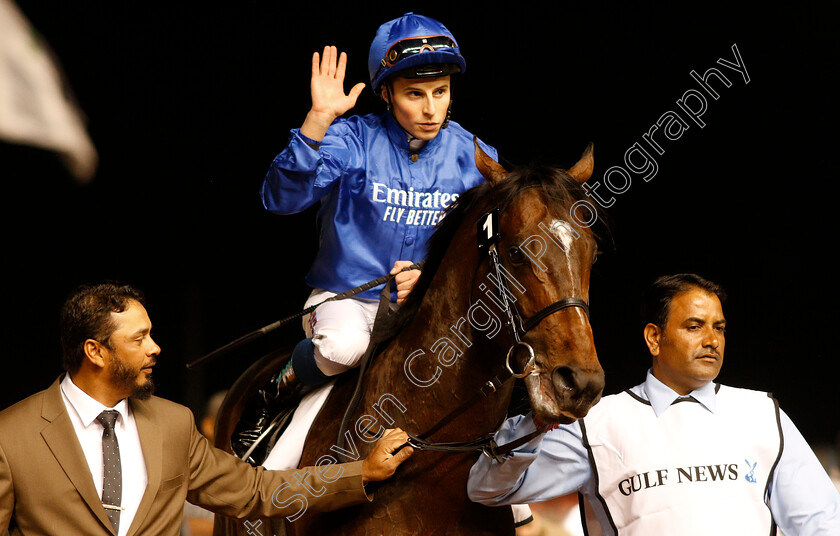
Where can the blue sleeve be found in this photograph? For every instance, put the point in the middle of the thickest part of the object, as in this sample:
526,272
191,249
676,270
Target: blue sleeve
548,466
803,499
301,175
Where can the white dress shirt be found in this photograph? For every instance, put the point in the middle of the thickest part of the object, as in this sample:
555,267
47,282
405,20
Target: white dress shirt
83,411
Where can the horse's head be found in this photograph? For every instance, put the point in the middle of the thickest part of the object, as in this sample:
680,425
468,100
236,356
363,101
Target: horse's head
547,248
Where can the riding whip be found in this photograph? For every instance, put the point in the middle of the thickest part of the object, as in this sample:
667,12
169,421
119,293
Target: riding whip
265,330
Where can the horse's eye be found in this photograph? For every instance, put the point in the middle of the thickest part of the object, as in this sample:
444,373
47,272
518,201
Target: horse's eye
595,256
516,255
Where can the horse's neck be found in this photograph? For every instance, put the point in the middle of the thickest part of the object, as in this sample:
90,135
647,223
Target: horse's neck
438,359
445,303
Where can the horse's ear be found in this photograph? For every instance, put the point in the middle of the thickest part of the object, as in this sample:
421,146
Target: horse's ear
492,171
584,167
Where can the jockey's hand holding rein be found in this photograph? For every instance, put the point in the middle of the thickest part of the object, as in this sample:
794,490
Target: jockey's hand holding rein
328,98
405,280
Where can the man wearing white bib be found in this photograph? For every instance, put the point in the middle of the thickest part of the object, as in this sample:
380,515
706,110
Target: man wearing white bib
677,454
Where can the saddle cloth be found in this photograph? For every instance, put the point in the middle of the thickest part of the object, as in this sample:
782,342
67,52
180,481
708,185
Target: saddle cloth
287,451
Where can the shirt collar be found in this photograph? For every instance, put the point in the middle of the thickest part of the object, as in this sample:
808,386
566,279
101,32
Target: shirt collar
661,397
88,408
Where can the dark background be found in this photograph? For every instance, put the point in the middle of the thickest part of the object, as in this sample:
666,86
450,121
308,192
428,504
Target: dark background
187,105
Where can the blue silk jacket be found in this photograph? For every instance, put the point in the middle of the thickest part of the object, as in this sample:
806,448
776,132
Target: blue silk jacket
379,201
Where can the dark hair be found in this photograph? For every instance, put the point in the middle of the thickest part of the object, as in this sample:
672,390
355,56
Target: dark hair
86,314
657,302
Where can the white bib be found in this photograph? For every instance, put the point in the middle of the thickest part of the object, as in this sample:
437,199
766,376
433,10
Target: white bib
689,471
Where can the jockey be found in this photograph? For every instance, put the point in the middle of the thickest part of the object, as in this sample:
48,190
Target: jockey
383,181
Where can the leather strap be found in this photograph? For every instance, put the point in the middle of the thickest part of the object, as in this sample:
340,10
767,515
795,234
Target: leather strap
553,308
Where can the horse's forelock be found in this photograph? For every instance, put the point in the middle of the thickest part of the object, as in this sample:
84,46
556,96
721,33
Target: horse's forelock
559,189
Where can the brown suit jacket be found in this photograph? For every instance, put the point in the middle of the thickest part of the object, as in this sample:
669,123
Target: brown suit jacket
46,486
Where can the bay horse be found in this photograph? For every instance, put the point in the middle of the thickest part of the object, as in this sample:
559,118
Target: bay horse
444,344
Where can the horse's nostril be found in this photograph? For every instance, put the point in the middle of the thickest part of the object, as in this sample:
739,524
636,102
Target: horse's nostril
563,379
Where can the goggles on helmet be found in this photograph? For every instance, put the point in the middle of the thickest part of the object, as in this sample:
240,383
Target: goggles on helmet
415,45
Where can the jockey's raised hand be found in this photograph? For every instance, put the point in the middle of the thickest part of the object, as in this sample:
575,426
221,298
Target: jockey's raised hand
328,98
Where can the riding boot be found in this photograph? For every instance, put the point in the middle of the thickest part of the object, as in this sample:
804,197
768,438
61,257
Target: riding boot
272,398
260,410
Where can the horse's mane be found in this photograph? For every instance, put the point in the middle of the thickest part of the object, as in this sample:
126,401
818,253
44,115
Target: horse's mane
558,188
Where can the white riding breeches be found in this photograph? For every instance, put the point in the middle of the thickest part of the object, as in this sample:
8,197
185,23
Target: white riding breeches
340,330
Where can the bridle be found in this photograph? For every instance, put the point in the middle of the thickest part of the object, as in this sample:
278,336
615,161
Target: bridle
488,239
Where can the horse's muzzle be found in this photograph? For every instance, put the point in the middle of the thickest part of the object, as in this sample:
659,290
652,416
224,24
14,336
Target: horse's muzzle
576,390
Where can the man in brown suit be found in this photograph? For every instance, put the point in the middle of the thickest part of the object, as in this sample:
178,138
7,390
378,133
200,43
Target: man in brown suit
57,467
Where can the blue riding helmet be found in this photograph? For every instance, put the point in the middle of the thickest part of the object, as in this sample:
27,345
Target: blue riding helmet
416,46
